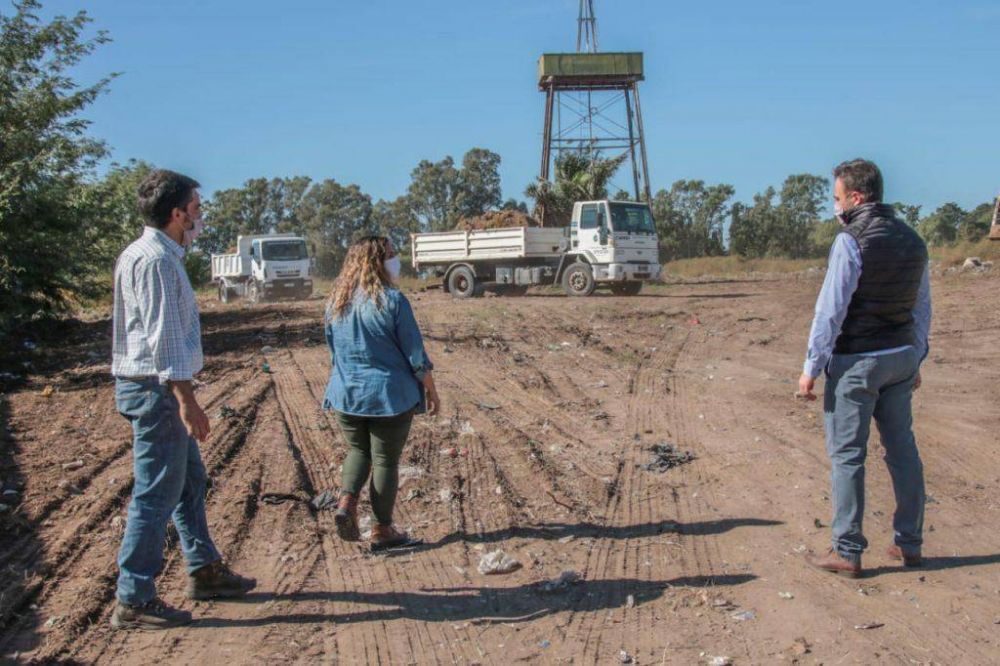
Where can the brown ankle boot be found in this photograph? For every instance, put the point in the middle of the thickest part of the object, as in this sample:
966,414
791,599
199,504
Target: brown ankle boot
388,536
346,518
835,563
909,559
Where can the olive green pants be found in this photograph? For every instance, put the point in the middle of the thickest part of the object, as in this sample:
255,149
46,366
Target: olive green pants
376,442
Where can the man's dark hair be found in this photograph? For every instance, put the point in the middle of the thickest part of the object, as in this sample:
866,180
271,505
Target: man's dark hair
161,192
861,176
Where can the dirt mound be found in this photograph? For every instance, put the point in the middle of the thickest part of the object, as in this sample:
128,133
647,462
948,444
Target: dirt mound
497,219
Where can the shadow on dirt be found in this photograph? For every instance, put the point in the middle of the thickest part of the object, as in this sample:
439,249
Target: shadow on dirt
937,564
20,552
522,603
556,531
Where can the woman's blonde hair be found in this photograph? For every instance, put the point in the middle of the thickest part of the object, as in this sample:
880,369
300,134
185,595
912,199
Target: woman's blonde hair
364,268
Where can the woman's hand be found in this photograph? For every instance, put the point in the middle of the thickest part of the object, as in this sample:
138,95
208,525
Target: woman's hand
430,391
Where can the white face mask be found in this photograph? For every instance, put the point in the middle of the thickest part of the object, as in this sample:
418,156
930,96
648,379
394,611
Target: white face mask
190,235
393,268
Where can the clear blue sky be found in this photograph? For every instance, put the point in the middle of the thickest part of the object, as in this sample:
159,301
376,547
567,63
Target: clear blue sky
743,92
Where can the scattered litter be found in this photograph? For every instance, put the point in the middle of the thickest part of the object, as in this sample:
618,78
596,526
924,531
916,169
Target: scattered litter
267,349
744,616
266,368
561,582
818,523
408,472
275,499
544,643
365,527
665,457
601,384
630,601
288,557
487,405
786,595
446,495
720,661
118,524
325,500
624,657
869,625
694,321
47,391
413,494
70,466
53,621
566,539
553,348
450,452
497,562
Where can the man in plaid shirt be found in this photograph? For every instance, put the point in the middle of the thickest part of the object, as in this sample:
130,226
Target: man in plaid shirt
155,355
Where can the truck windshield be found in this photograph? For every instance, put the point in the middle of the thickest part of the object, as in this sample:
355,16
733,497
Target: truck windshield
631,218
284,250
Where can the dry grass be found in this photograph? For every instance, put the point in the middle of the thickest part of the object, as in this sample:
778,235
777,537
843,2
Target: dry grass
711,266
954,255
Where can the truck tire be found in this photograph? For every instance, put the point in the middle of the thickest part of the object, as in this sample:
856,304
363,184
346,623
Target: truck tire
578,280
626,289
462,282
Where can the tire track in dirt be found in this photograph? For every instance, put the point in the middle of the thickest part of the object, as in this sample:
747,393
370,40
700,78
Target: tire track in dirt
83,561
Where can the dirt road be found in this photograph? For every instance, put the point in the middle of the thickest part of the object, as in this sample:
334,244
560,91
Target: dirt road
550,407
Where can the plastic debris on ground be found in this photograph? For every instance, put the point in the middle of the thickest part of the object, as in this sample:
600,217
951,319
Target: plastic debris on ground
744,616
325,500
497,562
70,466
625,658
665,457
561,582
786,595
869,625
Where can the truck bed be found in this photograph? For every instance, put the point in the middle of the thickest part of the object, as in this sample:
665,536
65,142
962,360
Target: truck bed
229,266
445,247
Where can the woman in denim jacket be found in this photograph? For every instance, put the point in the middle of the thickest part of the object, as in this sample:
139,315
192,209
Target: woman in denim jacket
380,377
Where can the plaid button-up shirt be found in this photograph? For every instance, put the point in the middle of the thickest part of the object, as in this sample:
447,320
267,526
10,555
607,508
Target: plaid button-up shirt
156,328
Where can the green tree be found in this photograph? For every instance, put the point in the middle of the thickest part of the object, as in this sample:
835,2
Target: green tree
396,220
514,204
333,216
432,191
976,224
802,197
690,217
941,226
750,226
478,188
910,214
45,159
577,178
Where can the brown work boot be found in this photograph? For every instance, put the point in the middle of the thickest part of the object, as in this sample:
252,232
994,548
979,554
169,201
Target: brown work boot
835,563
217,581
151,615
909,559
387,536
346,518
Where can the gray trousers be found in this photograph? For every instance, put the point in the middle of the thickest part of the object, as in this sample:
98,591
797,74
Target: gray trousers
857,389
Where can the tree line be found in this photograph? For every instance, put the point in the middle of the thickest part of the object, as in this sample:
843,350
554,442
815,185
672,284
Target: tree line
62,225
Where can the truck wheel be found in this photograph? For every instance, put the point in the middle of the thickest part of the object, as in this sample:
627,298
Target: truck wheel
253,292
626,289
462,283
578,280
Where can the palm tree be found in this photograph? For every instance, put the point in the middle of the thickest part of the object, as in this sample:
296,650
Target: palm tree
578,178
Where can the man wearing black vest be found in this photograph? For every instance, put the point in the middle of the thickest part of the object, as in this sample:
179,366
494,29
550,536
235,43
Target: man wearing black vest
869,335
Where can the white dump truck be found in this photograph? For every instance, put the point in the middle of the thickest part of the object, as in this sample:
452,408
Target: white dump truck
608,243
264,268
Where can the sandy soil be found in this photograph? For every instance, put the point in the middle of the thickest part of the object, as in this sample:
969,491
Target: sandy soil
550,405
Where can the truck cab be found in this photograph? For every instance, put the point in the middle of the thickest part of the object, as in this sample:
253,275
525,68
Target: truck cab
617,238
264,267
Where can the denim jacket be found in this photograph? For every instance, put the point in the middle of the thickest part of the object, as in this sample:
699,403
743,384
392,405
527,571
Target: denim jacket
377,356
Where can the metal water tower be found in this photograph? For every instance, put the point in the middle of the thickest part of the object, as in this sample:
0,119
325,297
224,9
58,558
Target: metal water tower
592,103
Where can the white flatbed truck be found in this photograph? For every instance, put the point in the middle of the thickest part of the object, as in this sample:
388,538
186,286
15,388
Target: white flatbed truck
608,243
263,268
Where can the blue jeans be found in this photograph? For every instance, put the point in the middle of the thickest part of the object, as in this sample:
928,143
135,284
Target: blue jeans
857,389
170,482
